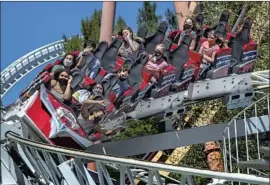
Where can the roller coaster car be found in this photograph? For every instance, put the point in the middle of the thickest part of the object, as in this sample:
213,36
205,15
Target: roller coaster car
221,65
53,121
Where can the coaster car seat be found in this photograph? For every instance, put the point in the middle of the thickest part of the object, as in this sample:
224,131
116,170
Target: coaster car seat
187,63
224,18
199,31
142,32
138,87
111,80
109,57
163,85
43,78
175,36
237,44
120,61
248,58
179,56
221,65
189,73
157,38
101,49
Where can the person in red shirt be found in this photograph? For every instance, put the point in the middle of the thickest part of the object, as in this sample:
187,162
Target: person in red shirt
209,49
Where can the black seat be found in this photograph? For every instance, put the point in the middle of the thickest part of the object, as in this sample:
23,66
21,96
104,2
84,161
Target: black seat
128,62
101,49
220,30
142,32
112,79
180,55
157,38
109,57
135,75
77,78
106,84
167,43
224,18
199,32
239,41
86,69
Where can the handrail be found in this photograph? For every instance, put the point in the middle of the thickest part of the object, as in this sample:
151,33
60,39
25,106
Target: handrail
241,112
140,164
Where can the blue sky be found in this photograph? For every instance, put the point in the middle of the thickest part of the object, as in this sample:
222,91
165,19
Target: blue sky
26,26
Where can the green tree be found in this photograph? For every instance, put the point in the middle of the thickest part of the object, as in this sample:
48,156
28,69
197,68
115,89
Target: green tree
147,17
73,44
120,24
171,19
90,27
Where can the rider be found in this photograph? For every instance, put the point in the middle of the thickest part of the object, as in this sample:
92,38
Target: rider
156,62
60,85
129,45
209,49
92,112
188,29
68,62
95,64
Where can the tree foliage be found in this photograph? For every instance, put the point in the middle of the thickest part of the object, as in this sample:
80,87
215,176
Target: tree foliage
73,44
120,24
147,17
90,27
171,19
138,129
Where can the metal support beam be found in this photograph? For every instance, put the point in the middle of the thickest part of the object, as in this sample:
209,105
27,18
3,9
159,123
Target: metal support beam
107,21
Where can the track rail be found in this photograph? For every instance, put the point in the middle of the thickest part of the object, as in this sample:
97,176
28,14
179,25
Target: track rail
27,63
124,164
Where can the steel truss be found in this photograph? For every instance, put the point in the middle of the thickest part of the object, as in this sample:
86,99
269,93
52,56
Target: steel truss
48,164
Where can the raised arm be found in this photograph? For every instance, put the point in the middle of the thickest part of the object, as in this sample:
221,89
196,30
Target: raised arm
67,94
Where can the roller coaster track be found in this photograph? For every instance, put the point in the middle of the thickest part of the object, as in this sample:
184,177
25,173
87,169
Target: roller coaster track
72,171
27,63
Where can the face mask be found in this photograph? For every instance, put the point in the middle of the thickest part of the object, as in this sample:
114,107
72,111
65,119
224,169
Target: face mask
67,63
158,55
97,91
187,26
62,81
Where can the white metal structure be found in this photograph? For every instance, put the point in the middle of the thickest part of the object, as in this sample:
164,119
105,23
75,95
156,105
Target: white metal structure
236,155
56,169
24,65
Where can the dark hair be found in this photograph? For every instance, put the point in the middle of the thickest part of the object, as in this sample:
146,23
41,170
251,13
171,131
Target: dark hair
58,72
124,67
89,43
103,91
74,60
129,29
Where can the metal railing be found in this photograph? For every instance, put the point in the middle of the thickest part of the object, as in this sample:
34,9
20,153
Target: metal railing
248,147
49,164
